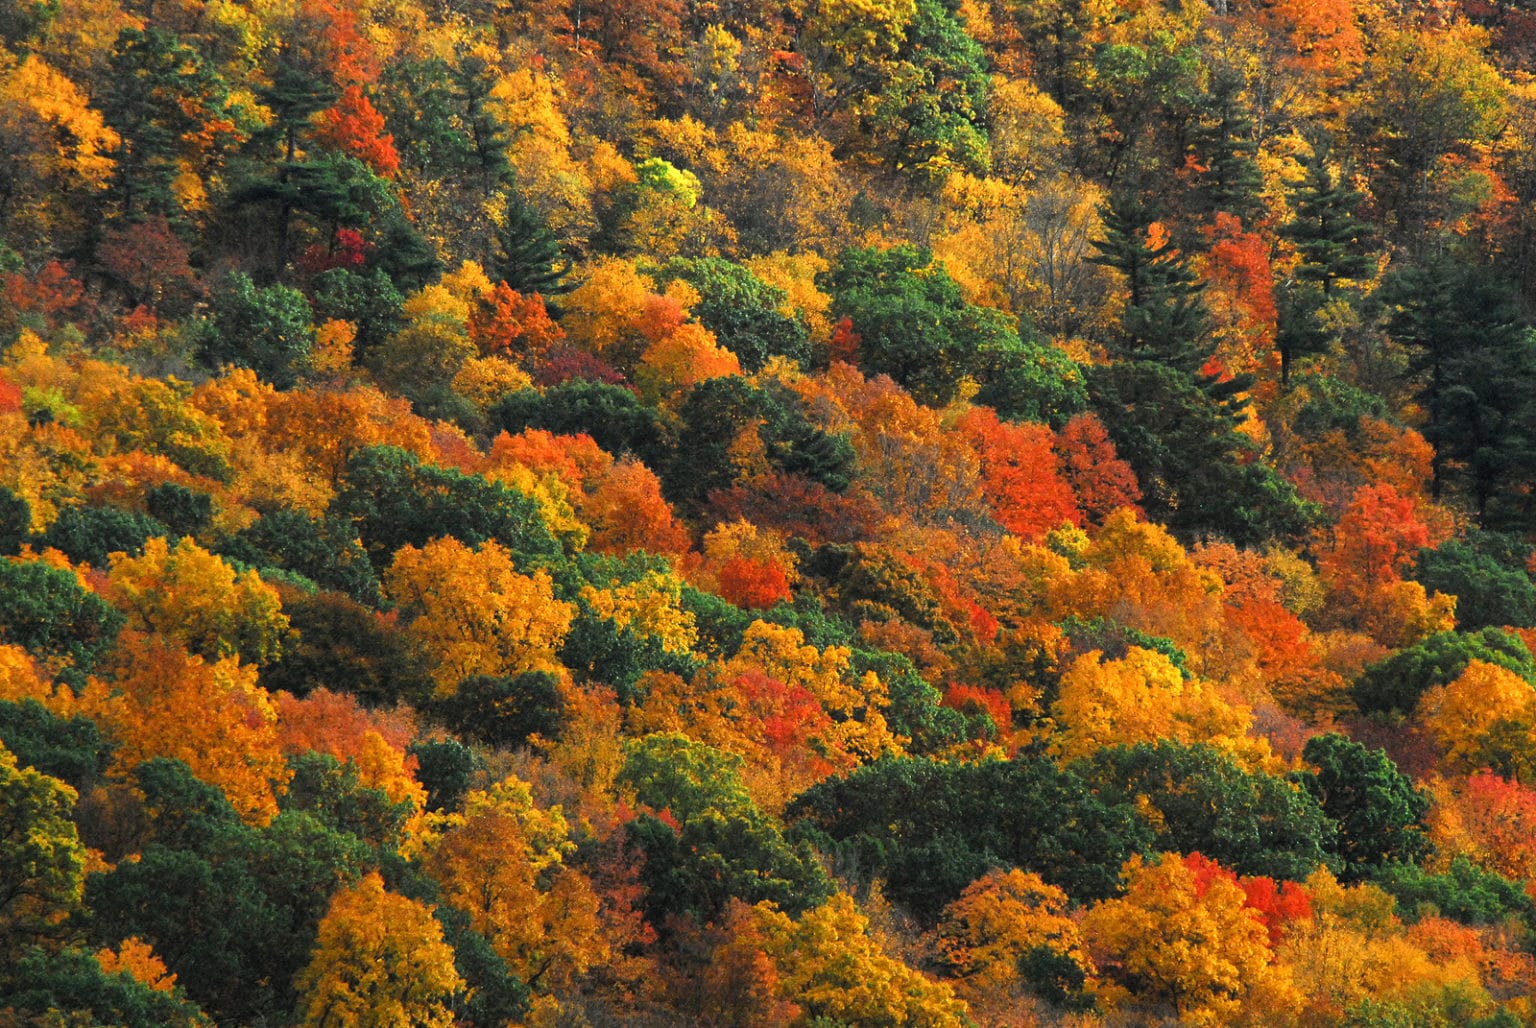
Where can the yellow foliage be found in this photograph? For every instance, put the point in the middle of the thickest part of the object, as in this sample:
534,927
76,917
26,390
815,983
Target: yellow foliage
20,677
552,494
502,862
192,596
1485,718
1143,697
1001,917
831,965
651,607
681,360
1202,952
473,614
485,380
331,355
859,728
379,959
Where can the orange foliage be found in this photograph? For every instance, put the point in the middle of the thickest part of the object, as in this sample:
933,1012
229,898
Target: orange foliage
511,324
752,583
1491,820
1018,474
1243,288
1101,481
574,458
136,957
164,702
1377,538
355,128
626,511
374,741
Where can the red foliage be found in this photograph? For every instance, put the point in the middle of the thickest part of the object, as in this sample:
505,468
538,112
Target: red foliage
563,363
1277,904
575,458
330,28
52,295
1375,539
794,506
355,128
348,249
10,396
149,259
789,716
974,699
1239,266
845,342
753,583
1101,481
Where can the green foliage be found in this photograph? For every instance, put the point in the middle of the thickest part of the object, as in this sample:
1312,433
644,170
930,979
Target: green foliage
612,415
929,828
504,712
184,511
15,522
332,793
708,842
718,409
69,749
46,610
1030,380
527,256
344,646
159,90
1397,682
235,917
445,767
1198,475
317,548
745,313
1459,320
1488,592
911,320
267,330
89,535
1165,318
1251,822
391,499
369,301
71,987
1379,811
1465,893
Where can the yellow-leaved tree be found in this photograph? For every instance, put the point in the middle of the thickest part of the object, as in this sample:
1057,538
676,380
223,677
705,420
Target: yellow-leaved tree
192,596
1005,919
1144,697
473,613
832,966
380,959
503,862
1485,718
1183,941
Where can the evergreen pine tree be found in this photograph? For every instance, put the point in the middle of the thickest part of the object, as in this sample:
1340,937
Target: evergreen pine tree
528,256
1232,180
1166,320
1325,231
1474,355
